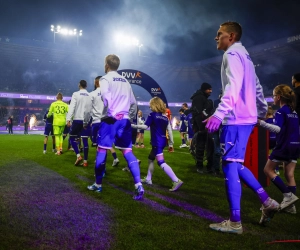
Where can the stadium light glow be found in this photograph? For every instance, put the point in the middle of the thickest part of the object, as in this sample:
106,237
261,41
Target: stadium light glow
122,40
65,31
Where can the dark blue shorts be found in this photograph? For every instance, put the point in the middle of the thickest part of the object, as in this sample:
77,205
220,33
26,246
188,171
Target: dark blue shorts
191,133
95,130
233,141
116,132
77,129
66,130
154,152
86,131
183,129
48,129
286,154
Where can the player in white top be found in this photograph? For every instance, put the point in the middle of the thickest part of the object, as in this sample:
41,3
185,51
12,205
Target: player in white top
97,110
115,127
79,117
241,104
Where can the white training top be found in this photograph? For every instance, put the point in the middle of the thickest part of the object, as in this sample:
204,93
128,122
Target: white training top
81,106
243,99
117,96
97,105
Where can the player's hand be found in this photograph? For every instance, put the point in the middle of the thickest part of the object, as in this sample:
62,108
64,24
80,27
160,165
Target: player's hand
69,124
212,124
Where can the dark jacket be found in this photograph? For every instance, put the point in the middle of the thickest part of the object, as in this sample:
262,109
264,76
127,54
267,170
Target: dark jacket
201,105
201,109
297,108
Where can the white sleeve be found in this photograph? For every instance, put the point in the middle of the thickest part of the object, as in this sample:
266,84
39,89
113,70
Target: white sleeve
105,92
133,105
72,107
139,126
261,103
88,111
235,74
271,127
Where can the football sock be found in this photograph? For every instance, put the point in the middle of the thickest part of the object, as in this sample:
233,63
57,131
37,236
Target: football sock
292,189
169,171
74,145
86,148
150,170
235,215
133,165
248,178
280,184
232,184
100,165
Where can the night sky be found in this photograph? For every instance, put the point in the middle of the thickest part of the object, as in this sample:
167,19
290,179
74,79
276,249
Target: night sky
169,29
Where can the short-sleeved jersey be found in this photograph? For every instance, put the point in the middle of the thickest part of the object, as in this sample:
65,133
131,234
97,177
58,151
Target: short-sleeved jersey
158,123
59,110
182,123
287,140
189,119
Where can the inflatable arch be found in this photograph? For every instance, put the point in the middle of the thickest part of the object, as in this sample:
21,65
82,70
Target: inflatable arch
145,81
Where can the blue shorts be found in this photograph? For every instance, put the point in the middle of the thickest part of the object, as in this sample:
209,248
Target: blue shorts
66,130
233,141
183,129
154,152
95,130
48,129
116,132
76,128
287,154
191,133
86,132
141,131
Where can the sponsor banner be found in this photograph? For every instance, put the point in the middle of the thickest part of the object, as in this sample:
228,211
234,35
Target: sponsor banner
31,96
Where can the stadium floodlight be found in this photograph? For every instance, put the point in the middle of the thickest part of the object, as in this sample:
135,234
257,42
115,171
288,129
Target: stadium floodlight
125,40
65,31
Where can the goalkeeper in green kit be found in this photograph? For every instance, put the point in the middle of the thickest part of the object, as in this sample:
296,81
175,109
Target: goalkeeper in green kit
59,110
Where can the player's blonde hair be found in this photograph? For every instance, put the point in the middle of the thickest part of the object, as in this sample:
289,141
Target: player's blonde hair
59,96
112,61
270,111
286,94
157,105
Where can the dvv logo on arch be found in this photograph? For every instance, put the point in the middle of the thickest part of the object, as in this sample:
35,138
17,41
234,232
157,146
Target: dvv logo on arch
132,75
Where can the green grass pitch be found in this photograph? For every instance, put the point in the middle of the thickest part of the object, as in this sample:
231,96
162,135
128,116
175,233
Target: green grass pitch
45,204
